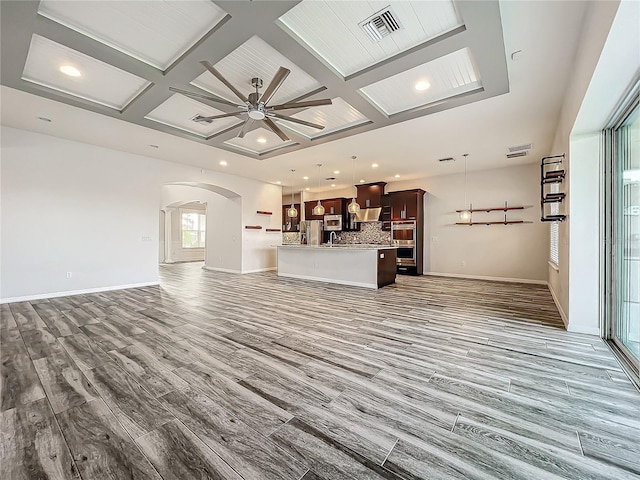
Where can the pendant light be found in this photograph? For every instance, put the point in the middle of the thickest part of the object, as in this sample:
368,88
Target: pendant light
354,207
291,211
318,209
465,215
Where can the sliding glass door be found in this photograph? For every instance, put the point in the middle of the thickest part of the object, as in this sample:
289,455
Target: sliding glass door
624,232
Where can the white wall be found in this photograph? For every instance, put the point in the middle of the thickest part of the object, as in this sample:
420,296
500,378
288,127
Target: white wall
513,252
584,242
517,252
72,207
605,65
223,250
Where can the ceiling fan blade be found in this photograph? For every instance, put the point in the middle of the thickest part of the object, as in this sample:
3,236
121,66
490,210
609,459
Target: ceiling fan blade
295,120
275,129
308,103
219,76
205,97
245,128
276,81
199,118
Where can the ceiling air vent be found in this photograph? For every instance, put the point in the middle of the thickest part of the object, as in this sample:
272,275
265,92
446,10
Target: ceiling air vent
520,148
517,154
448,159
381,24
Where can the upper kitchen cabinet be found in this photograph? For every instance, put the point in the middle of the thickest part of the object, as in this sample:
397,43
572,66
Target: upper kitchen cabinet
406,204
290,224
370,194
332,206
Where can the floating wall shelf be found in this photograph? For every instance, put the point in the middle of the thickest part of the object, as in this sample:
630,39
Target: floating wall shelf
504,209
548,177
262,212
508,222
274,229
253,227
497,209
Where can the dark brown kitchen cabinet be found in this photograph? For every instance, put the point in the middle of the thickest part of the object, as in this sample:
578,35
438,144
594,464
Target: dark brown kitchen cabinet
290,224
332,206
406,204
370,194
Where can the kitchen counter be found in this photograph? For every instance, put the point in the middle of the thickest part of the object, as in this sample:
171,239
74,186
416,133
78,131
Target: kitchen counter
360,265
350,246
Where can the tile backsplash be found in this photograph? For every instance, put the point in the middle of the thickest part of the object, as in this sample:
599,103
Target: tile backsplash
290,238
370,232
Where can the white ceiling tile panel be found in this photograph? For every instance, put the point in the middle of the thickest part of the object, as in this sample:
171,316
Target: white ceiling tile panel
178,110
331,29
450,75
155,32
256,58
335,117
98,82
251,144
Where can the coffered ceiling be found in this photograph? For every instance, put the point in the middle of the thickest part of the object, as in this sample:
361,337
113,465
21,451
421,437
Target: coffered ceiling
457,77
380,62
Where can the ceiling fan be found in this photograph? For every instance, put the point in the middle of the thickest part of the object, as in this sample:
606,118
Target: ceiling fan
255,106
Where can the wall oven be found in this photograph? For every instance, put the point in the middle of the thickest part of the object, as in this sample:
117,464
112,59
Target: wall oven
333,223
403,236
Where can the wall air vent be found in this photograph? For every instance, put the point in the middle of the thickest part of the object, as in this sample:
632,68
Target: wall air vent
448,159
517,154
520,148
381,24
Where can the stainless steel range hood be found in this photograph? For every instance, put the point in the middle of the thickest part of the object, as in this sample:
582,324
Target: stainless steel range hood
368,215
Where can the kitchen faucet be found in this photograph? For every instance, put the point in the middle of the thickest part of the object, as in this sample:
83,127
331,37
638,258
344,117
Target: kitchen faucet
332,236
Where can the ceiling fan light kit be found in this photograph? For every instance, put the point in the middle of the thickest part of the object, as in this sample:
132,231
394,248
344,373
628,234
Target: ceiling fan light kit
256,106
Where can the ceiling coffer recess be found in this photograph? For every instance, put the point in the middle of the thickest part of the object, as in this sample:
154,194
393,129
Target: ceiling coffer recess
381,24
255,104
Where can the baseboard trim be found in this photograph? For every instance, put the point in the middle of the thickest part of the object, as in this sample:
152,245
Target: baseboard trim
28,298
563,315
483,277
325,280
259,270
243,272
218,269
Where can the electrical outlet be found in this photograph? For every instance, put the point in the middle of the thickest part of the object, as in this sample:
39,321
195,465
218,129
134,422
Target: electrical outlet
463,263
146,239
434,239
69,274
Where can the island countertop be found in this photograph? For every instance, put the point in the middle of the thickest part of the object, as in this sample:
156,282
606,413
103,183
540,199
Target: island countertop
340,246
362,265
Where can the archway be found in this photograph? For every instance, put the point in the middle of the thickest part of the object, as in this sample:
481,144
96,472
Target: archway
213,217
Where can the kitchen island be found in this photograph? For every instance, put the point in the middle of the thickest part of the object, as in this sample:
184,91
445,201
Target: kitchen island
369,266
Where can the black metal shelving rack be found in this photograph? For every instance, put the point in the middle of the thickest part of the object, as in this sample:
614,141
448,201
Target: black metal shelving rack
547,177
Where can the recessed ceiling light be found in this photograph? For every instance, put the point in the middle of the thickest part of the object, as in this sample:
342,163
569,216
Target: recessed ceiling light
261,140
154,146
307,189
45,119
422,85
336,172
223,163
279,182
397,175
362,180
305,178
70,70
333,184
374,165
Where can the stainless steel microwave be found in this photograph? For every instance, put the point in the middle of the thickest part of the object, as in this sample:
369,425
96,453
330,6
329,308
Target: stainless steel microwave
333,223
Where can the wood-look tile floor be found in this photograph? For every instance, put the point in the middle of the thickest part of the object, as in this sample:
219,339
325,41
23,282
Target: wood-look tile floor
222,376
